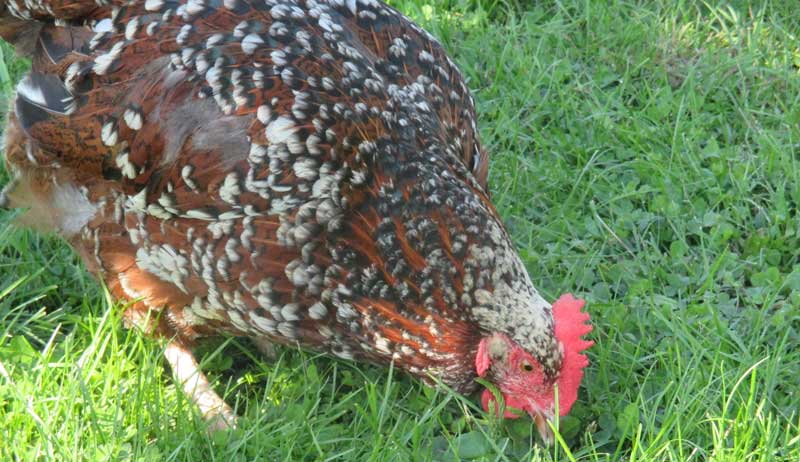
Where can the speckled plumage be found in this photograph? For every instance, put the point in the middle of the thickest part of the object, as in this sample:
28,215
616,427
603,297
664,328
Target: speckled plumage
302,171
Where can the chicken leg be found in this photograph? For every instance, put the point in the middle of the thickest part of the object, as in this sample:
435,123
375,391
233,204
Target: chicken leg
216,412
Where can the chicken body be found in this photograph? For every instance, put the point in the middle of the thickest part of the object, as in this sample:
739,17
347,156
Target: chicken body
306,172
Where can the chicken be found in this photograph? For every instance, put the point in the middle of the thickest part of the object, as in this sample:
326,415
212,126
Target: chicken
301,172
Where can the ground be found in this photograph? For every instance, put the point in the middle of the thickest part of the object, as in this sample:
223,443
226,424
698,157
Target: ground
644,157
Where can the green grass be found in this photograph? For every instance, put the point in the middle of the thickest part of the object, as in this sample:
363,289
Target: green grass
644,157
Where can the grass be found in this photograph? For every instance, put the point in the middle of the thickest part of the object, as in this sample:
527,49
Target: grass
644,157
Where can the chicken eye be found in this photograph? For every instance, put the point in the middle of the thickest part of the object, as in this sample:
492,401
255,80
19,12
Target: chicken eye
526,367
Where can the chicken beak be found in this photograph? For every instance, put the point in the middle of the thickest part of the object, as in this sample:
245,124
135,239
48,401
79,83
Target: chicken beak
542,419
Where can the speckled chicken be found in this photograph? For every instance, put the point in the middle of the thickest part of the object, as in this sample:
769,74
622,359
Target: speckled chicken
305,172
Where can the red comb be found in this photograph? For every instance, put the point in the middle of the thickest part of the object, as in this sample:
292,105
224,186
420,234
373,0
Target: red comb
571,326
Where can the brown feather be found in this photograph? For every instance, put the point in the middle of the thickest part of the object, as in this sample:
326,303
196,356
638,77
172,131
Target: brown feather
300,175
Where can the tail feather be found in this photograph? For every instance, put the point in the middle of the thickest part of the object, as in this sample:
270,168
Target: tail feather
45,91
39,97
42,111
56,10
58,42
22,34
54,34
21,23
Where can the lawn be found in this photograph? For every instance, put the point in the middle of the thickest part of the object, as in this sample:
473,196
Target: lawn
644,157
